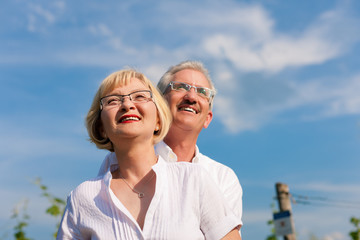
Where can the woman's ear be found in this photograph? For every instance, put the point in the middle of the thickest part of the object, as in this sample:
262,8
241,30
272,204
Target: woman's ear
102,131
157,127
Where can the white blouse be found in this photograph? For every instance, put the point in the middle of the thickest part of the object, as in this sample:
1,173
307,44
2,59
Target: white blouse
223,176
187,204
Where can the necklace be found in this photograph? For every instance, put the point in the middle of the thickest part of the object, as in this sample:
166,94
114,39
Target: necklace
140,194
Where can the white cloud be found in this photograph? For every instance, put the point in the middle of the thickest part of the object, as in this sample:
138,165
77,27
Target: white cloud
238,120
43,13
253,103
265,49
237,41
346,99
59,5
249,21
39,18
100,29
154,72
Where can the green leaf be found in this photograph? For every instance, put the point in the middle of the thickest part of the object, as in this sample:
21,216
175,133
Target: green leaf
58,200
53,210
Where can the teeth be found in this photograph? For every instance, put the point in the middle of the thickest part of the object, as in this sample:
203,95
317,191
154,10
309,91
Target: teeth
188,109
129,119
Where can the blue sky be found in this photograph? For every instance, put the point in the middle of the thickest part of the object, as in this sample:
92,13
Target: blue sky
287,109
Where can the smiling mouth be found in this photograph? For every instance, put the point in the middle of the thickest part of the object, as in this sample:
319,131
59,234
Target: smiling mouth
128,119
188,109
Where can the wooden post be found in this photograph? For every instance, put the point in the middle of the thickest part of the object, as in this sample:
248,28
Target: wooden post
283,197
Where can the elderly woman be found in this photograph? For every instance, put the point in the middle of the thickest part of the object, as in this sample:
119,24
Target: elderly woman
140,196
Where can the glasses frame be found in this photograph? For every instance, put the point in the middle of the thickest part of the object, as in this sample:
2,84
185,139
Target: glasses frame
122,97
188,88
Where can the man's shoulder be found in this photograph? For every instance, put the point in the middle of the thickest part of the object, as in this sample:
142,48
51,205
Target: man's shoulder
208,162
219,171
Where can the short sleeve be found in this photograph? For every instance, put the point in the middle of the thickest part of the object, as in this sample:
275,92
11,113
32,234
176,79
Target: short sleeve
68,227
216,217
233,193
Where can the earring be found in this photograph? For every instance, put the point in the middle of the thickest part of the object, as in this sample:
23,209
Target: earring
157,128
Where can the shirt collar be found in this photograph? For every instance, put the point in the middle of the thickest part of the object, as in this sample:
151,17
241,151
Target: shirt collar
114,166
167,153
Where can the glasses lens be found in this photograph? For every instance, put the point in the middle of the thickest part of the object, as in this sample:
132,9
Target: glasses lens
135,97
140,96
111,101
201,91
179,86
205,92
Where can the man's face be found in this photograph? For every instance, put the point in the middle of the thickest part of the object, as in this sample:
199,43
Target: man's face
190,110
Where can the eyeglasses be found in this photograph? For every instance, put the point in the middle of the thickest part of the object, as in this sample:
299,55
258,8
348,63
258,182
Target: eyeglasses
201,91
114,100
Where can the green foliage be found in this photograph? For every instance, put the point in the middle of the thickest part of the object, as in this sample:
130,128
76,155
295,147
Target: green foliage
270,223
21,217
355,235
57,206
19,213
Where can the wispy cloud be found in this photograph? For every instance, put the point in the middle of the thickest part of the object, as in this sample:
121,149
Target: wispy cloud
254,48
40,17
100,29
248,107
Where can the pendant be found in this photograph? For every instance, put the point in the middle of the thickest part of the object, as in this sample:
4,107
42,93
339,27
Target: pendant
141,195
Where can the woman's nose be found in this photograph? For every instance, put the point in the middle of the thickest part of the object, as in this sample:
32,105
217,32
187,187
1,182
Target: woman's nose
126,103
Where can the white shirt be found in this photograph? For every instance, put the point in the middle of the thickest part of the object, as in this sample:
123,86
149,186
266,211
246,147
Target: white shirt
223,176
186,205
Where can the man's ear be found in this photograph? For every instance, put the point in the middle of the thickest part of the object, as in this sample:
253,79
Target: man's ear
208,119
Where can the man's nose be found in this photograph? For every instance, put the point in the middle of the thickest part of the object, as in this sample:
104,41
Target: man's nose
191,94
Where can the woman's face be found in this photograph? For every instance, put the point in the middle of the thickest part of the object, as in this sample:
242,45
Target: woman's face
127,119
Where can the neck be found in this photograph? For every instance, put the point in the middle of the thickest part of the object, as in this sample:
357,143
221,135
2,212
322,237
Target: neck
135,160
182,143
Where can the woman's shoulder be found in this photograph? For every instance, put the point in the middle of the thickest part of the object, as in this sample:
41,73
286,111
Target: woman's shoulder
88,188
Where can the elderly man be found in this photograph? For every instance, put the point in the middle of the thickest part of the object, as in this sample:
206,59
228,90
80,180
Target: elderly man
190,92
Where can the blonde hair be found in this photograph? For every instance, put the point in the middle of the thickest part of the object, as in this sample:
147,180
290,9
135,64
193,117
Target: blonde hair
118,79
